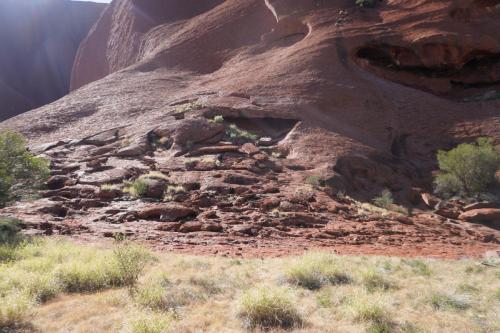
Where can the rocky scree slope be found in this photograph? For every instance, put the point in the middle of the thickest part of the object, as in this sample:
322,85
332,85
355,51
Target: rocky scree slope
260,115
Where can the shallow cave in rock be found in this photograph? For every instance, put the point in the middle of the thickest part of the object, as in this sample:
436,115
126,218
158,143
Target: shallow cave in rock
476,74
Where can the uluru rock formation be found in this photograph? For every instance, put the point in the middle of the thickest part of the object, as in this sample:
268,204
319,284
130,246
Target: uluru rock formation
264,113
39,40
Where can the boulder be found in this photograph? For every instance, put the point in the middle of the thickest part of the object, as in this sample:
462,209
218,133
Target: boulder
156,188
189,131
249,149
58,182
430,200
166,212
302,219
488,216
111,176
192,226
247,229
55,209
109,193
481,205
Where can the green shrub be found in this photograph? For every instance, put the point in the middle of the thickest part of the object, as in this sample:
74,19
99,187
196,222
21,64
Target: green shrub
17,165
188,107
313,271
42,287
467,170
375,315
14,310
385,200
374,281
88,276
8,253
314,180
130,260
234,132
268,307
91,272
9,230
159,294
137,188
218,119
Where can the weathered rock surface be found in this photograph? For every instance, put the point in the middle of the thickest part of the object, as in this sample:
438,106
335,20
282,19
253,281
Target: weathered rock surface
39,41
490,216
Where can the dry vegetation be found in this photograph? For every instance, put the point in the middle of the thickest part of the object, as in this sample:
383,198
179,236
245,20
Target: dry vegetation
59,286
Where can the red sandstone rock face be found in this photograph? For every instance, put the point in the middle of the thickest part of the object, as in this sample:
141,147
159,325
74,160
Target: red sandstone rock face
39,40
362,98
367,85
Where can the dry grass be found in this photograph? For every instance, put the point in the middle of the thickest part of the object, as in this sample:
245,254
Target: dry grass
180,293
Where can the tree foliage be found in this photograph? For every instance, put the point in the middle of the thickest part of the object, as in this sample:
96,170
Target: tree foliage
18,165
468,170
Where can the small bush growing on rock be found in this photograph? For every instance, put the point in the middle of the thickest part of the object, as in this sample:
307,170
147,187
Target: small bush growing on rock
155,175
313,271
218,119
188,107
314,180
467,170
234,132
265,308
109,187
137,188
18,165
172,191
385,200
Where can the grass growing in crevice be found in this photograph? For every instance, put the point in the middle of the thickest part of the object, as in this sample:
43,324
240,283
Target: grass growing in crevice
236,133
137,188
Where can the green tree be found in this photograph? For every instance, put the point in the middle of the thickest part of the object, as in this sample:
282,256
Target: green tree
18,165
467,170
